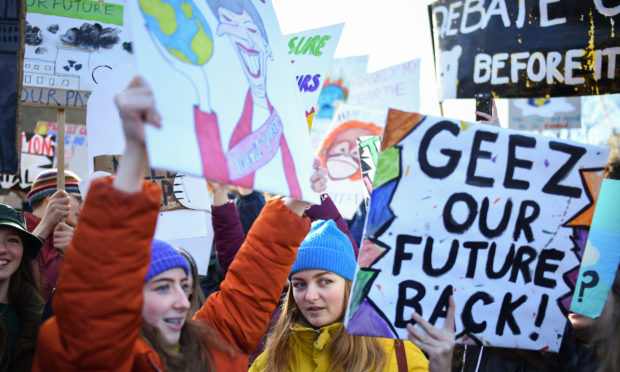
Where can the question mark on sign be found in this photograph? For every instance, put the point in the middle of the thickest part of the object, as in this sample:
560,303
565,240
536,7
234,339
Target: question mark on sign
591,284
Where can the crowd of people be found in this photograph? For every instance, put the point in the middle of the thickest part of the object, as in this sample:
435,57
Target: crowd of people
116,299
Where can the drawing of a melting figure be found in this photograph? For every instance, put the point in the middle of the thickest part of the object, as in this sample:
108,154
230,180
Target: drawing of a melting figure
258,138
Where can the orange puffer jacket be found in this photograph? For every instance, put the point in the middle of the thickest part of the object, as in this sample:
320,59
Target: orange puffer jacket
98,301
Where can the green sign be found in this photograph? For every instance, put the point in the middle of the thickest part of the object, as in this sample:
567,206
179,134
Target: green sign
81,9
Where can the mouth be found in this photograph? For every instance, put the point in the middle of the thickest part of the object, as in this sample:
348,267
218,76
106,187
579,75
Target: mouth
315,310
341,166
251,60
175,323
4,262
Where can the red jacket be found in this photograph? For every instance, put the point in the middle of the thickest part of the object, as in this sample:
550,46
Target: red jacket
98,304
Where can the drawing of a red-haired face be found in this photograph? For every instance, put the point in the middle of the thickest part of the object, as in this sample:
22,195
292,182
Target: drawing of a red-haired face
340,153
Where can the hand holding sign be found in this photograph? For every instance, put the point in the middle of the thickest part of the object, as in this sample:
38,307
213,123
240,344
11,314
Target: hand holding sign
438,344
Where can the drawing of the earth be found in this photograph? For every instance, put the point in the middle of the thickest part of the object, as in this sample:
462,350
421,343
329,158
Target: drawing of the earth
180,27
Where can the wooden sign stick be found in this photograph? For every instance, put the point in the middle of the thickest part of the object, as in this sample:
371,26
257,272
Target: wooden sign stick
60,149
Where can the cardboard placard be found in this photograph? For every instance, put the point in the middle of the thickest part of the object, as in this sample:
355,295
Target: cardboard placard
514,49
340,156
68,45
478,212
221,77
602,256
369,150
395,87
335,91
311,53
544,113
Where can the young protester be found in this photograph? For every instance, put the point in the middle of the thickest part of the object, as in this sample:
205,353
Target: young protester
310,335
21,304
228,232
49,207
117,312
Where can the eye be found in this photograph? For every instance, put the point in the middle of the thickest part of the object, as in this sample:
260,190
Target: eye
325,281
299,285
164,288
252,30
226,18
14,240
187,289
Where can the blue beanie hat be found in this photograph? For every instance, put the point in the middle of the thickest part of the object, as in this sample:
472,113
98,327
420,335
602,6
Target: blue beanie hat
326,248
164,257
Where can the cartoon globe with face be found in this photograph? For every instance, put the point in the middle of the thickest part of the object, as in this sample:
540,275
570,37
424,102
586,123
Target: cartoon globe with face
180,28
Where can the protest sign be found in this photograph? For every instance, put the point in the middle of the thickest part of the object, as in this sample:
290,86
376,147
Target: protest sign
395,87
602,256
76,144
67,45
478,212
335,91
369,148
37,155
10,14
339,154
544,113
516,49
221,77
311,53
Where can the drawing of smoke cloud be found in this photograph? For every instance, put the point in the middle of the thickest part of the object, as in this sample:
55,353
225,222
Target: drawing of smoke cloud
91,36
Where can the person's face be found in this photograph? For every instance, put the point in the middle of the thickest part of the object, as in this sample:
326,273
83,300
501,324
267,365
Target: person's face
319,294
165,304
594,329
343,154
11,251
74,212
249,44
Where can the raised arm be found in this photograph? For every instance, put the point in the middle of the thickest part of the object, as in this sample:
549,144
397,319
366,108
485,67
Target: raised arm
241,310
98,299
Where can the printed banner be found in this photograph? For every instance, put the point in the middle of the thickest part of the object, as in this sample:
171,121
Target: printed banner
514,49
395,87
311,53
68,43
339,154
335,91
602,256
220,73
477,212
369,148
544,113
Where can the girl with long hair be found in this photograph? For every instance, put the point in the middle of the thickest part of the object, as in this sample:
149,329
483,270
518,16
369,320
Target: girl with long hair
122,304
21,304
310,336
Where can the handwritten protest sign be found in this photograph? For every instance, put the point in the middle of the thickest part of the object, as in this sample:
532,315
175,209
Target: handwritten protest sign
395,87
76,144
517,49
67,45
601,258
369,148
335,91
544,113
311,53
339,154
477,212
220,73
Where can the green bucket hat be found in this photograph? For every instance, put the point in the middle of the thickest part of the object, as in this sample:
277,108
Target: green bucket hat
12,218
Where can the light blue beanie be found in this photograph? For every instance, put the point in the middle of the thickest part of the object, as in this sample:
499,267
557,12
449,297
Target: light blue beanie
326,248
164,257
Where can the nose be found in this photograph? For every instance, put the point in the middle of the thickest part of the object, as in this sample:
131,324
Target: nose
311,294
181,302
